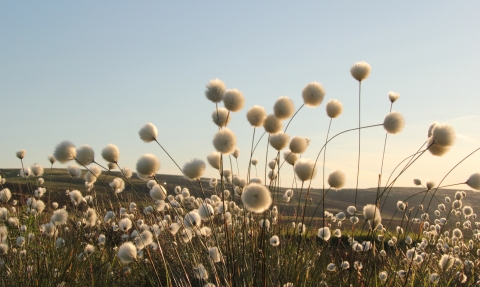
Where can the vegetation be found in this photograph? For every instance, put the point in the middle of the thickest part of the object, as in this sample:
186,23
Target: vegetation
106,226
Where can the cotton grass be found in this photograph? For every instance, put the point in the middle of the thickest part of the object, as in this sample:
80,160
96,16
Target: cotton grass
65,152
225,141
194,169
313,94
256,198
283,108
256,116
394,123
305,169
148,133
147,165
360,71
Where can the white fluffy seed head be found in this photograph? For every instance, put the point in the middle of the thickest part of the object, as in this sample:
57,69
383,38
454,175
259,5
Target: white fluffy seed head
274,240
51,159
337,179
92,174
214,253
290,157
334,108
313,94
37,170
5,194
446,262
256,198
283,108
236,153
125,224
148,132
443,134
85,155
360,71
59,217
436,149
221,117
474,181
393,97
254,161
206,211
272,124
279,140
256,116
147,165
21,153
65,152
299,144
192,220
158,192
233,100
324,233
394,123
111,153
194,169
74,170
304,169
215,90
127,252
214,159
372,214
225,141
76,197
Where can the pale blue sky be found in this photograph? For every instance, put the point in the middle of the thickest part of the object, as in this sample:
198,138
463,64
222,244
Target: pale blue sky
95,72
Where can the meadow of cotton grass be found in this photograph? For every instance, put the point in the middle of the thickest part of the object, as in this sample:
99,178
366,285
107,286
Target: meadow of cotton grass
234,231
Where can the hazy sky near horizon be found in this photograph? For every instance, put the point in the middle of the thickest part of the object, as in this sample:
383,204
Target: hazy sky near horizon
94,72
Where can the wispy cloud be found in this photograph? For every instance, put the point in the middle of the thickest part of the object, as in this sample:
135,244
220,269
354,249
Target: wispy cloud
467,138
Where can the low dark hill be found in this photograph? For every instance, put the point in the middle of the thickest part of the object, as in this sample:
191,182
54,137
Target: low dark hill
58,181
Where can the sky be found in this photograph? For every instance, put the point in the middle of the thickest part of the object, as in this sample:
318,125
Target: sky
94,72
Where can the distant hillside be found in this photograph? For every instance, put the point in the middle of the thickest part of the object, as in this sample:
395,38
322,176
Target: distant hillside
336,201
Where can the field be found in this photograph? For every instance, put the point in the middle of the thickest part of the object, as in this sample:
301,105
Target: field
90,225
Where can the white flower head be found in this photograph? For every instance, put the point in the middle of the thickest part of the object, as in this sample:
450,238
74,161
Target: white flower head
313,94
194,169
127,252
272,124
394,123
334,108
474,181
393,97
85,155
290,157
360,71
299,144
225,141
256,198
305,169
279,140
111,153
215,90
158,192
256,116
65,152
214,159
233,100
148,165
372,214
21,153
324,233
337,179
148,133
37,170
283,108
221,117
